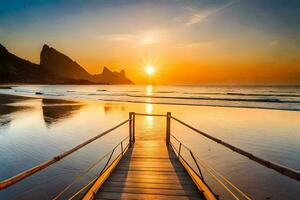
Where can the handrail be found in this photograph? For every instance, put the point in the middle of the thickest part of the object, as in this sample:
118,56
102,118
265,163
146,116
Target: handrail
294,174
106,167
10,181
196,159
181,157
197,178
93,165
220,175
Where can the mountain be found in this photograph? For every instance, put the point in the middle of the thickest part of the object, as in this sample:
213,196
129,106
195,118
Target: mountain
54,68
108,76
62,65
17,70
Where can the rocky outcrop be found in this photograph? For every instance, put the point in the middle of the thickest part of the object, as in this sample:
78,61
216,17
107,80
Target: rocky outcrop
62,65
17,70
54,68
108,76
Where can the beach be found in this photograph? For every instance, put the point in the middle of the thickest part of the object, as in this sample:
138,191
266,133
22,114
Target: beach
37,127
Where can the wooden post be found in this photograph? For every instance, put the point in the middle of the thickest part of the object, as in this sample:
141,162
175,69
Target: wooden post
130,129
168,127
133,126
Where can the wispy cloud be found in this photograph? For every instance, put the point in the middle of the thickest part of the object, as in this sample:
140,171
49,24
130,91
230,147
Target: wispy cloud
195,45
121,37
199,16
274,43
141,38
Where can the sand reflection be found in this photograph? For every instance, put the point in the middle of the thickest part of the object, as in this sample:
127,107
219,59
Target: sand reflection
109,108
57,110
8,108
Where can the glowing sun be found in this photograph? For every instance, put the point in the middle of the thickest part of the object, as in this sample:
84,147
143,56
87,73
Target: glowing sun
150,70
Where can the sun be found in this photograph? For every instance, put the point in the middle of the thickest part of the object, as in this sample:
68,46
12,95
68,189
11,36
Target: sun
150,70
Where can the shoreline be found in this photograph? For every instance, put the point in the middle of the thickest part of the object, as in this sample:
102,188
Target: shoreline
82,100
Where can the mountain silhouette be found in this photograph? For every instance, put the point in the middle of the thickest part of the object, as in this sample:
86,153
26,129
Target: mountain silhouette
17,70
62,65
54,68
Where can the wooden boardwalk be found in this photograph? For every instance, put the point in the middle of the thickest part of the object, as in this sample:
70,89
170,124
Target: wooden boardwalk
149,170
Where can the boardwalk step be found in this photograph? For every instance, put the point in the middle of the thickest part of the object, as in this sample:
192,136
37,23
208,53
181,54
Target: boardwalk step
150,185
131,196
159,191
150,172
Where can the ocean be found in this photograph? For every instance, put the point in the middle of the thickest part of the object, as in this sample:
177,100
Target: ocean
262,120
279,98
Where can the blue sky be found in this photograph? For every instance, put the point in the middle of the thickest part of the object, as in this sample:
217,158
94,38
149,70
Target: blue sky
128,34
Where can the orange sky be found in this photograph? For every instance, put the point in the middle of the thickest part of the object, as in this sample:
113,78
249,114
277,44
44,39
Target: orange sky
222,42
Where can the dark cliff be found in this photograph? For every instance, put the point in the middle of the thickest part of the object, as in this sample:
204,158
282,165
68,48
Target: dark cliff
62,65
17,70
54,68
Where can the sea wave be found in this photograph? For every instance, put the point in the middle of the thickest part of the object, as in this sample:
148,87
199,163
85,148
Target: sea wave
242,94
204,104
267,100
247,98
274,99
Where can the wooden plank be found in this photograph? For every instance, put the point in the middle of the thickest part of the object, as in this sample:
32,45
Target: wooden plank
151,164
150,169
152,180
150,185
151,173
147,160
175,180
151,176
157,157
150,191
113,196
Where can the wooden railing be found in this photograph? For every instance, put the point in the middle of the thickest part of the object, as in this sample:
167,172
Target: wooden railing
291,173
97,182
27,173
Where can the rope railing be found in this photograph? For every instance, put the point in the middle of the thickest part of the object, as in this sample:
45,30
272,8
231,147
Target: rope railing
19,177
191,153
214,174
107,165
123,150
291,173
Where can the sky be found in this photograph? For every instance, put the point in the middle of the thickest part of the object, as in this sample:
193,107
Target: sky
188,42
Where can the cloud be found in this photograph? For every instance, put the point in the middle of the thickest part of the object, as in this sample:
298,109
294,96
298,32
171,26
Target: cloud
199,16
121,37
195,45
142,38
274,43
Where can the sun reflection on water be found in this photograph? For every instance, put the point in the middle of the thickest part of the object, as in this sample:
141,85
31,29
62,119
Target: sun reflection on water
149,110
149,90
